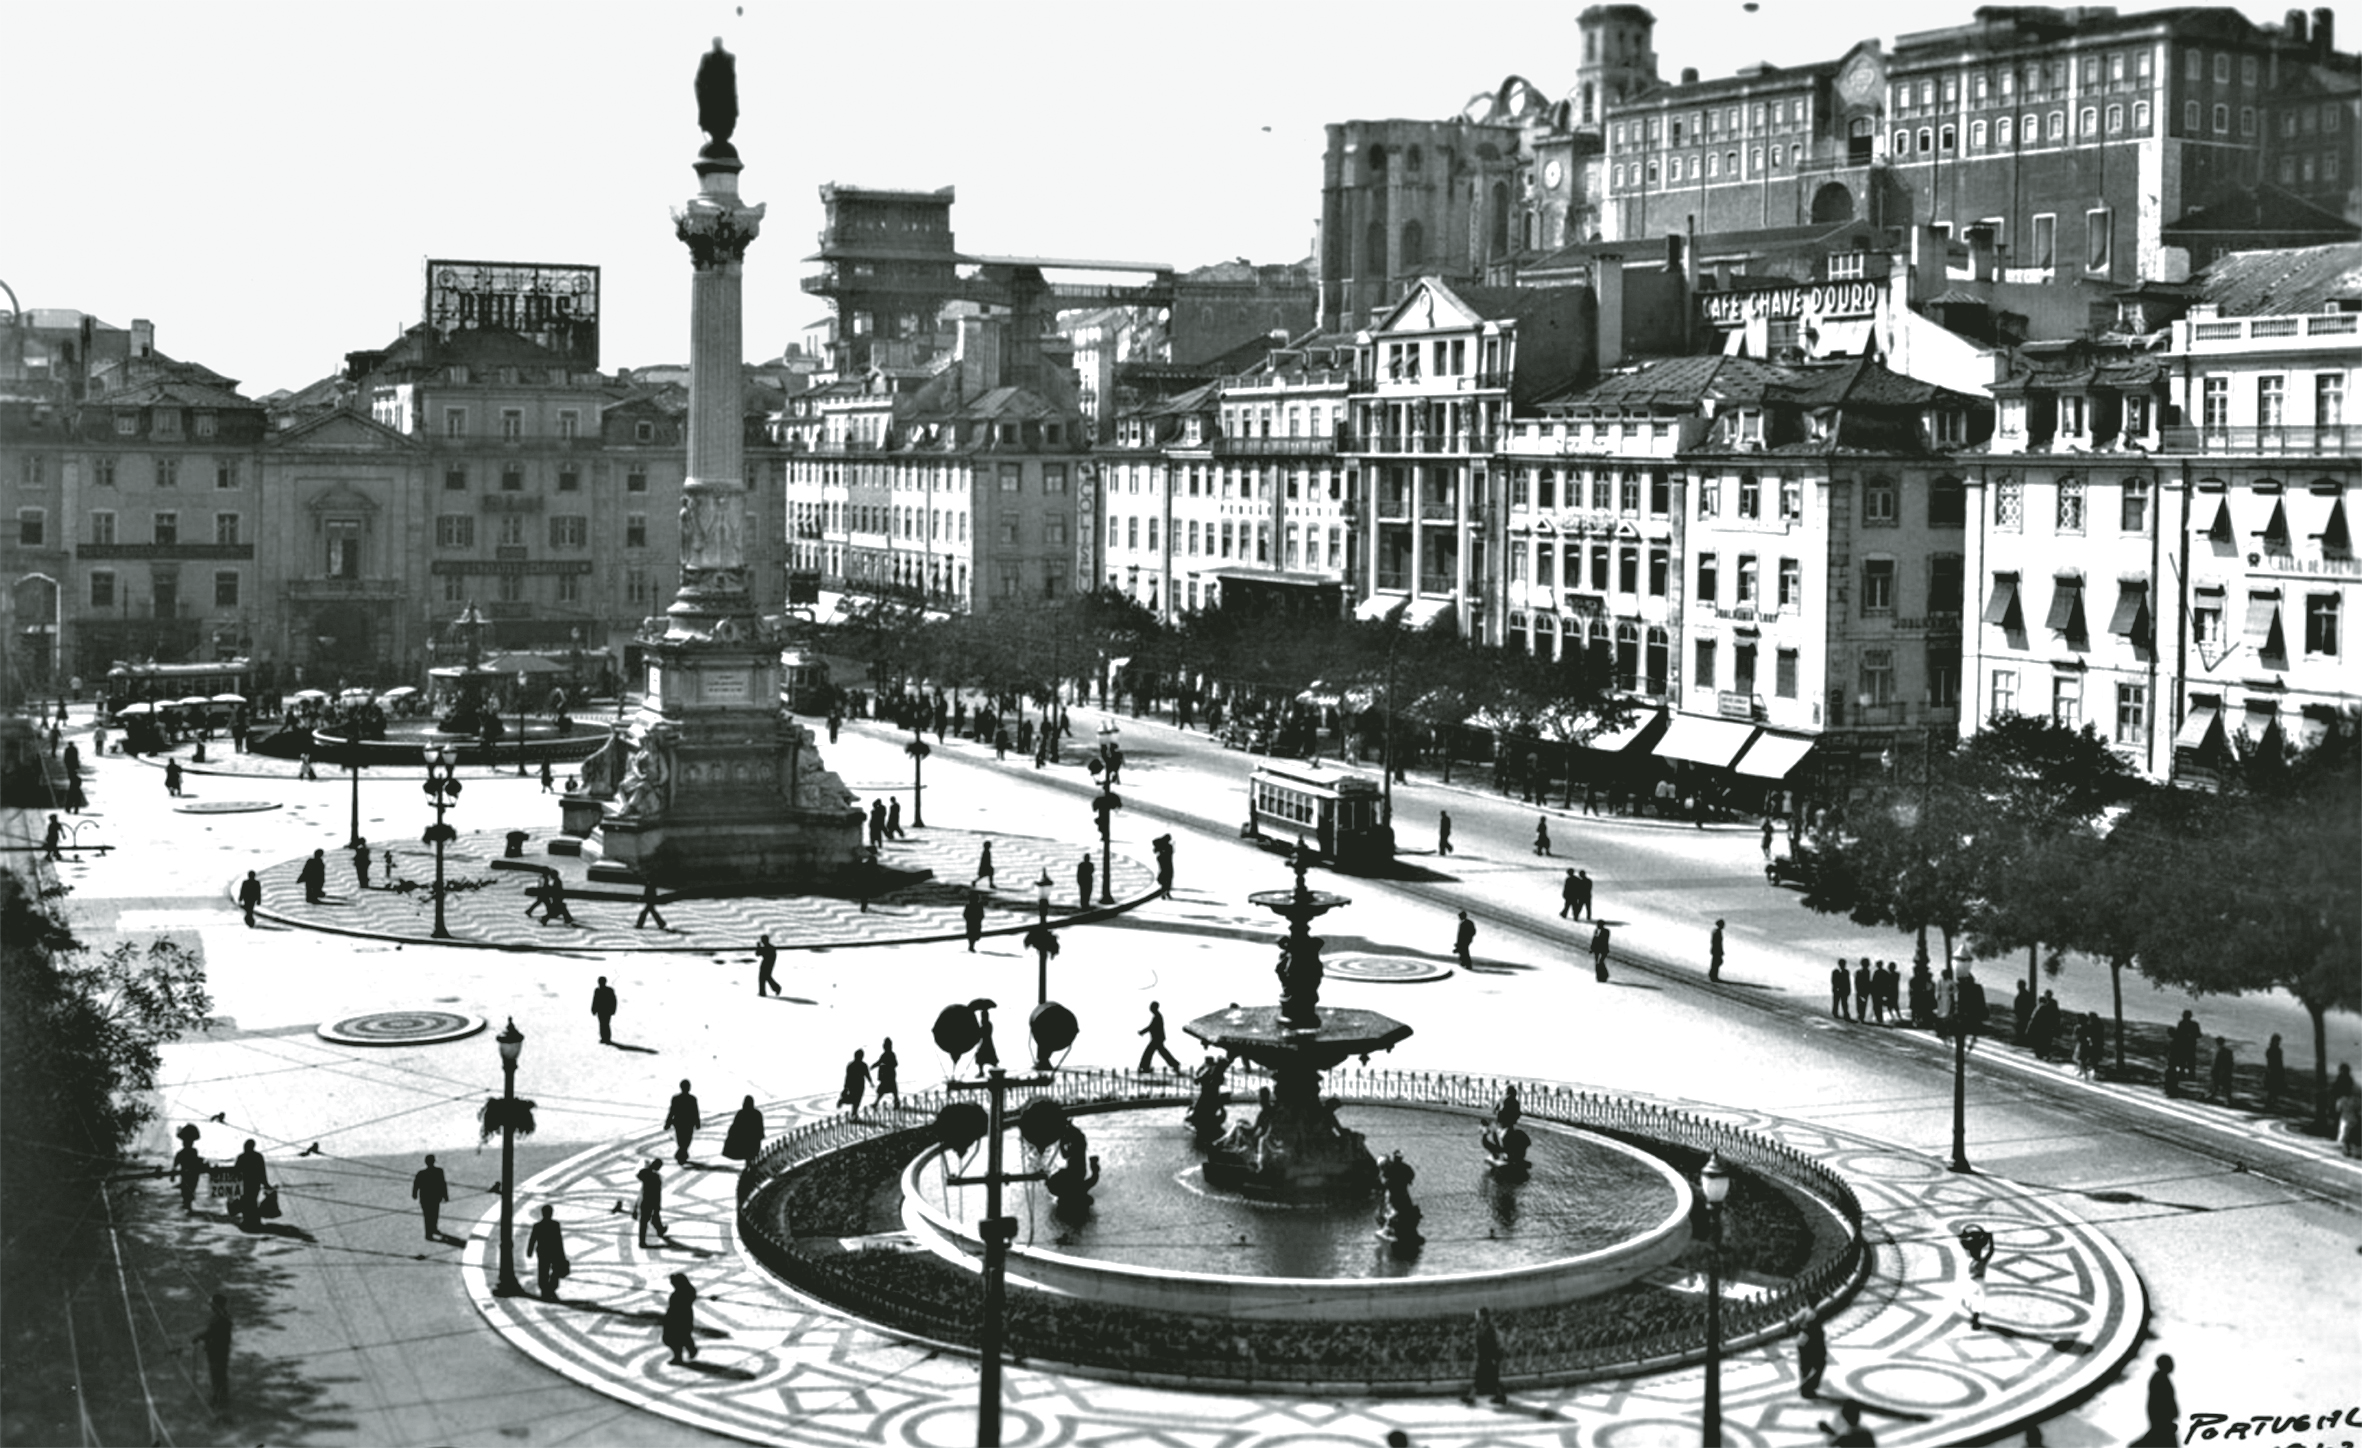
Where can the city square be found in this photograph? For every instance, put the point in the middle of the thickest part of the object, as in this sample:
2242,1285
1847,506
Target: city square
438,867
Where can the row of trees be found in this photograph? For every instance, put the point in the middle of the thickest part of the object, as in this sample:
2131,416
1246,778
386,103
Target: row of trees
1245,652
2032,837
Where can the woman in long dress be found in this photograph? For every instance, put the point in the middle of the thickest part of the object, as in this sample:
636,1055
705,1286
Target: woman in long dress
680,1319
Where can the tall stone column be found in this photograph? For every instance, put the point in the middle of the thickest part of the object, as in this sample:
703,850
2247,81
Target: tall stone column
713,601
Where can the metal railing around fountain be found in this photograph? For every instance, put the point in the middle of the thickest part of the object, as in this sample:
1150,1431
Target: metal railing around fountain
1568,1355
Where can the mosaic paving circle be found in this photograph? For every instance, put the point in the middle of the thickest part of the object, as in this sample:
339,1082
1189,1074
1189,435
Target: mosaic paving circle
401,1028
1384,969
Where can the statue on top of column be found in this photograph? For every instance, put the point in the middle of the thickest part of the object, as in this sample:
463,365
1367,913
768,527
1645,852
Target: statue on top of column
717,101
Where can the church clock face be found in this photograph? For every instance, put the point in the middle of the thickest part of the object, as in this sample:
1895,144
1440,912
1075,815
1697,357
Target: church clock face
1552,174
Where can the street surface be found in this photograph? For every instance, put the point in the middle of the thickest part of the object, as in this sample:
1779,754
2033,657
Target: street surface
2243,1235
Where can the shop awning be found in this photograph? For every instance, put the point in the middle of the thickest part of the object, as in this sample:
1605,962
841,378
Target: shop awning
2204,720
1773,756
2066,605
1701,740
1611,741
2263,614
2004,603
1377,606
2132,607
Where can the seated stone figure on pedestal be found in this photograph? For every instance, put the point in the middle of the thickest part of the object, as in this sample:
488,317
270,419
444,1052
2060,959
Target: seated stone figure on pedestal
1210,1110
1398,1215
1070,1185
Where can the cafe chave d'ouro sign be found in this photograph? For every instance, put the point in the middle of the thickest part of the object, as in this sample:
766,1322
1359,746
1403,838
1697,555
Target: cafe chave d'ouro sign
1819,299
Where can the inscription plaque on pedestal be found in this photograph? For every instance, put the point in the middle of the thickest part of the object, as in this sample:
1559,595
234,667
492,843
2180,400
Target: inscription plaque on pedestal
723,686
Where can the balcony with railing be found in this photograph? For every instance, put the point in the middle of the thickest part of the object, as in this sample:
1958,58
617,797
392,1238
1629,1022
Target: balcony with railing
2312,331
1418,443
2334,440
1276,447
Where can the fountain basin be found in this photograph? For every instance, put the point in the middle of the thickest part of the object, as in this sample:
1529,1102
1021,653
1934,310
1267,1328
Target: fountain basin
1596,1214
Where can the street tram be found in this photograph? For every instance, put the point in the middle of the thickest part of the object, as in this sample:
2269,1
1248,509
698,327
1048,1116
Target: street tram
1337,815
157,683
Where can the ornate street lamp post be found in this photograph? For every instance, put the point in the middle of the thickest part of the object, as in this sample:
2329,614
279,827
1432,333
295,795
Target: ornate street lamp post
918,749
1042,940
1105,807
523,681
512,1045
442,786
1715,1182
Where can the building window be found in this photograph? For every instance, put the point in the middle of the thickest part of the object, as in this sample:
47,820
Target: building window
1055,533
569,588
167,527
126,424
569,530
569,481
2005,692
636,586
32,527
1009,529
2329,399
1878,586
102,528
1053,478
1747,595
225,475
2247,120
2009,503
1708,578
2140,116
2066,700
2222,120
344,548
1878,501
102,589
1945,584
225,589
2132,715
2136,416
2190,118
569,423
1926,139
2046,231
102,470
2089,122
2055,129
455,422
2133,505
512,530
1709,497
1947,503
1976,135
1750,496
455,530
455,480
2222,68
511,588
512,424
1948,138
225,529
1012,477
1703,674
2247,70
2115,119
2070,505
1902,146
2214,410
2271,396
168,472
635,530
2321,623
1878,677
2001,131
635,481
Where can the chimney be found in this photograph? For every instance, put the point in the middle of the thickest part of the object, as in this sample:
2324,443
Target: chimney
1689,75
88,335
2295,26
143,337
1609,279
2324,35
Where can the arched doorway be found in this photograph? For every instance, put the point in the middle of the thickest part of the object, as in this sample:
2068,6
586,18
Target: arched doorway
1833,204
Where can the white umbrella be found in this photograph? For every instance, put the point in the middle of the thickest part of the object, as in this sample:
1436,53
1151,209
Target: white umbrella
135,709
309,694
354,696
194,701
403,692
229,698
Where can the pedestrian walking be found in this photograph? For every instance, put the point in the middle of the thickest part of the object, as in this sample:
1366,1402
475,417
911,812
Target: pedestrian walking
188,1167
680,1317
1599,949
215,1339
2218,1080
987,1054
648,908
652,1202
603,1006
549,783
1767,837
744,1140
766,960
1443,831
361,862
172,777
2088,1042
253,1180
98,742
306,772
51,838
1488,1362
1852,1434
1163,846
1865,989
1812,1357
313,876
2021,1012
1542,835
894,819
1084,871
1923,995
1841,985
972,915
856,1082
546,1245
76,801
2165,1408
984,867
2042,1027
2275,1074
2349,1117
1714,953
887,1065
249,897
1155,1032
836,721
1462,938
1583,888
2181,1051
877,823
1569,891
1979,1245
430,1189
682,1117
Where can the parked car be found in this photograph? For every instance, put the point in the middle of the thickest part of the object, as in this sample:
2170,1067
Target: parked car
1800,866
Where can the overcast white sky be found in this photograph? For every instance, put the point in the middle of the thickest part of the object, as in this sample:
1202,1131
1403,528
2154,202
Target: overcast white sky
263,181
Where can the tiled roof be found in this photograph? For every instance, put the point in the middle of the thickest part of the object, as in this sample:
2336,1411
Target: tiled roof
174,393
1679,382
2269,283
